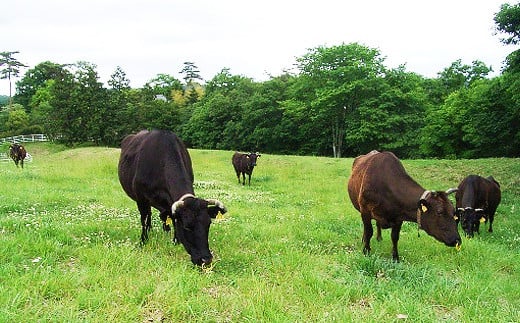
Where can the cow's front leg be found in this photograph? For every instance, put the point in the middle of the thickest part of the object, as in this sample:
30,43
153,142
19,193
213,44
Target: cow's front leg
175,239
396,229
146,220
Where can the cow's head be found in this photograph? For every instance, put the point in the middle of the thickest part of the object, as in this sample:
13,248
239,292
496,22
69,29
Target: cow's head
470,219
192,218
436,216
252,157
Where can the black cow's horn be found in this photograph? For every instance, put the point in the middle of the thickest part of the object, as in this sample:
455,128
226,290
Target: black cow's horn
180,202
452,190
218,204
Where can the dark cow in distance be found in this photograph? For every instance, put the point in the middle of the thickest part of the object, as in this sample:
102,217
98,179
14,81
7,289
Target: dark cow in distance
477,200
244,164
155,170
380,189
17,153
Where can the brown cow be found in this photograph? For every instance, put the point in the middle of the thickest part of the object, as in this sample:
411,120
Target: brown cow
380,189
17,153
477,200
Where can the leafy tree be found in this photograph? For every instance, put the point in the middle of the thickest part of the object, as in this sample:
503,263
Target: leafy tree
459,75
191,72
9,67
118,101
34,79
507,22
17,119
216,119
343,79
162,86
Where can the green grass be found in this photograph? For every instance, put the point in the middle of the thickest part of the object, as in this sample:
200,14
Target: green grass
289,249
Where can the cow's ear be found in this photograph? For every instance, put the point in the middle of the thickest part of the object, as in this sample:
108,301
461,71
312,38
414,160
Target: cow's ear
215,207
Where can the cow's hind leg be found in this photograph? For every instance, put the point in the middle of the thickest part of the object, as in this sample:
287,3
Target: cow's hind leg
396,229
146,219
378,234
368,231
243,178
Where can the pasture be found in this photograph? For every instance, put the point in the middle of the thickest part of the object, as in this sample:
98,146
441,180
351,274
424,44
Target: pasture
288,250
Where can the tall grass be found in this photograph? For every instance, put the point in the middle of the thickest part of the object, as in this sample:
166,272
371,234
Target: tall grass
289,249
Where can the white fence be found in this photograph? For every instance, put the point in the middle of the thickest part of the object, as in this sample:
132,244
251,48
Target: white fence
24,138
4,156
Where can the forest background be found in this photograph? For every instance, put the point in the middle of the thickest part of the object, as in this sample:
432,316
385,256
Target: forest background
342,101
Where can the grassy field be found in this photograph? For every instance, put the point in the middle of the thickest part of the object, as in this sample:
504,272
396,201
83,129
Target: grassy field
288,250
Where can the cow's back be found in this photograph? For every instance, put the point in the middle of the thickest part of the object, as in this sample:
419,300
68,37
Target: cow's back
494,194
478,192
155,161
380,185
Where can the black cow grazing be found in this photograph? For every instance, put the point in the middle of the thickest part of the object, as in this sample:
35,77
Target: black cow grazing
380,189
244,164
155,170
17,153
477,200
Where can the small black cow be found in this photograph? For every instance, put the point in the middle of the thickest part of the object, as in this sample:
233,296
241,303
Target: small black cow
17,153
477,200
244,164
155,171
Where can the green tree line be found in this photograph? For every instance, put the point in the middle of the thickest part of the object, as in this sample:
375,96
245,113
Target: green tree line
342,101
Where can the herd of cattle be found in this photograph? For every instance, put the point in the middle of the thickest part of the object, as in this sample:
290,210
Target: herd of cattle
155,170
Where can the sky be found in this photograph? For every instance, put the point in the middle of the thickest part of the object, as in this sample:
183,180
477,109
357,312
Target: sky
256,39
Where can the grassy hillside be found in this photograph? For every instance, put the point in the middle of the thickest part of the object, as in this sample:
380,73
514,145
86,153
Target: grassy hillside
289,249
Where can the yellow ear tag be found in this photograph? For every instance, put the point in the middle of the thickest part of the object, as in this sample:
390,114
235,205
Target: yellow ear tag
169,221
219,216
482,220
455,217
424,208
458,246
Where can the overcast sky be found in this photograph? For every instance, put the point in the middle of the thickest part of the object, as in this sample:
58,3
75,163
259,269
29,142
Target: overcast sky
252,38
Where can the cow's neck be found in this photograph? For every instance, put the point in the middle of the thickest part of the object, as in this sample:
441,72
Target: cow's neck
412,203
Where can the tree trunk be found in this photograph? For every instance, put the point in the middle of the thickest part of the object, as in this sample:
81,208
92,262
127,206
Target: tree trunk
338,133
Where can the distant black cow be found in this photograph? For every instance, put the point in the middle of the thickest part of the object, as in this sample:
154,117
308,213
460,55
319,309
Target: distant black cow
155,171
244,164
477,200
18,153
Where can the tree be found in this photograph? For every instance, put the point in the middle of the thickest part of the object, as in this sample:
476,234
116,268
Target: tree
11,69
191,72
34,79
216,121
162,86
192,90
17,119
459,75
507,22
342,78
